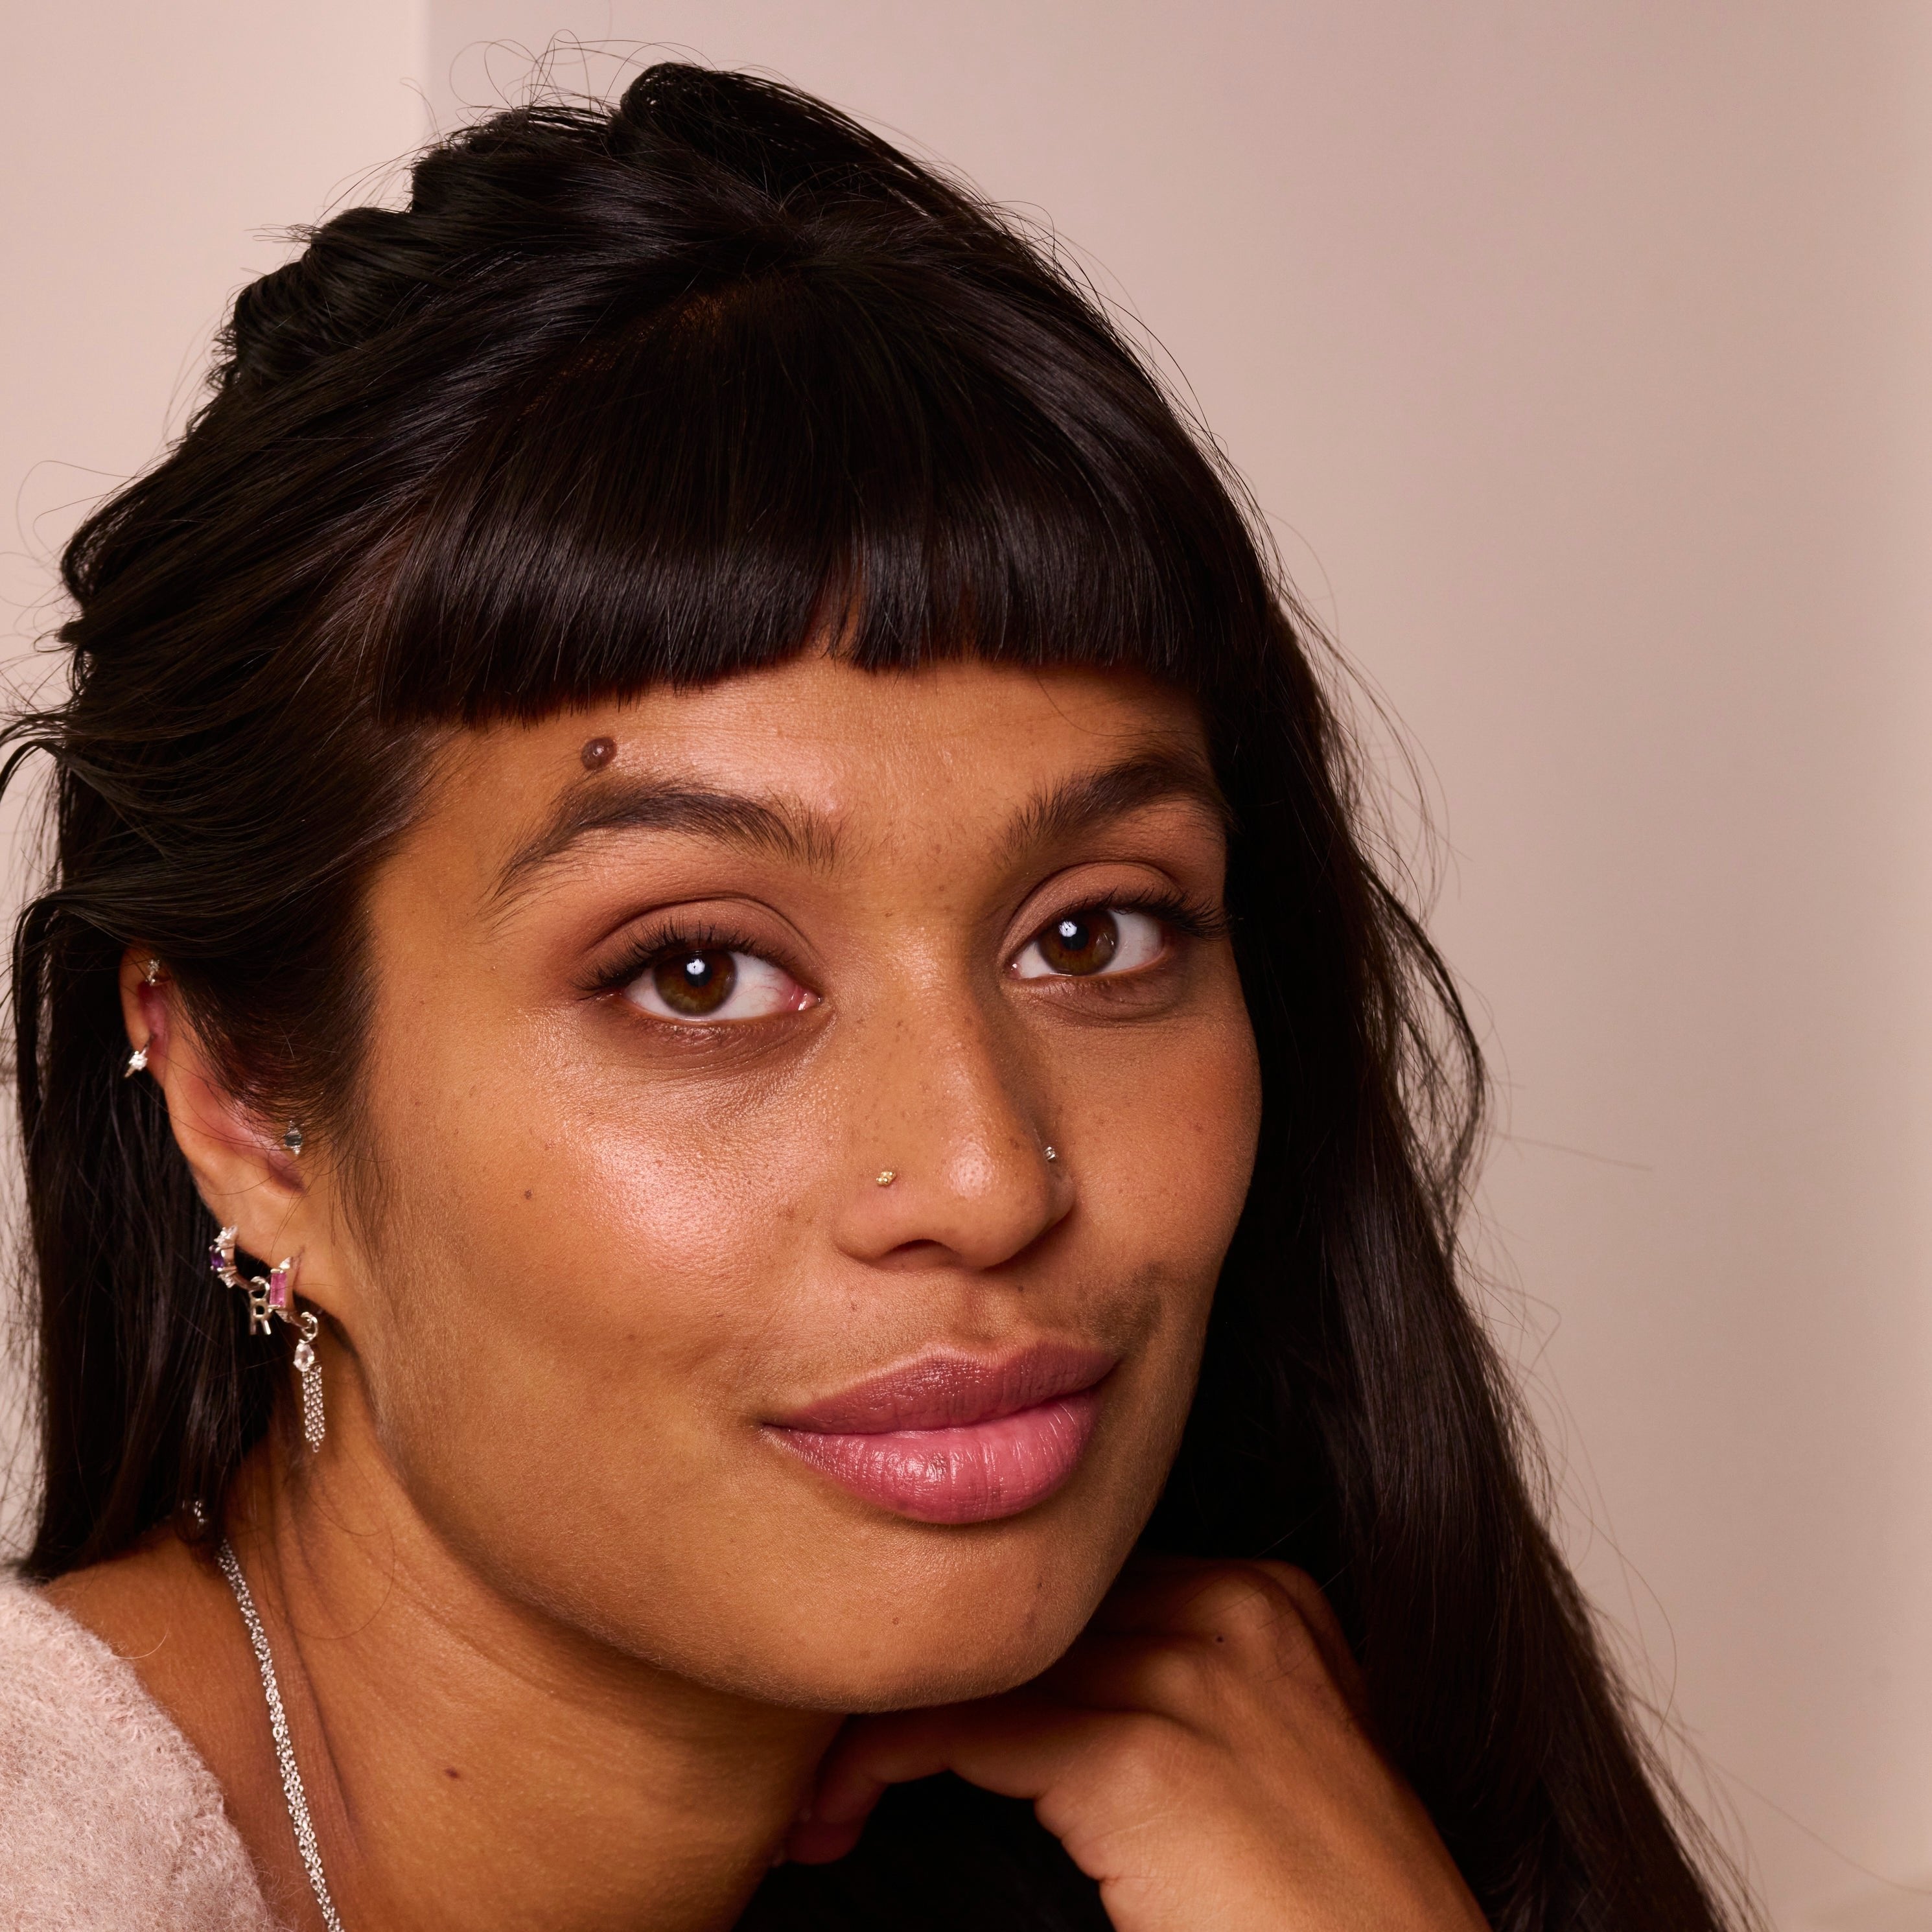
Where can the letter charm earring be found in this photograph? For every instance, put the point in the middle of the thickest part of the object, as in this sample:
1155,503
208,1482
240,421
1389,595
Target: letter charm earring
270,1299
310,1370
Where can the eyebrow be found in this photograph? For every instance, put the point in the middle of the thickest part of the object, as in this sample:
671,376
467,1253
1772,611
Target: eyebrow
1078,803
791,831
655,804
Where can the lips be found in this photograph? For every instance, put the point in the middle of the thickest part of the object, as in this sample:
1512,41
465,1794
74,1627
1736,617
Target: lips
955,1438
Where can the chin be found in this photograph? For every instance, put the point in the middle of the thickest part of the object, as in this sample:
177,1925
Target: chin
944,1674
952,1627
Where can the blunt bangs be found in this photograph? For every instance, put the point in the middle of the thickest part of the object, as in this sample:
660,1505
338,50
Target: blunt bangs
899,463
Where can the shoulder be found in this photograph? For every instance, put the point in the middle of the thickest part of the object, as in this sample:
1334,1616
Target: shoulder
108,1817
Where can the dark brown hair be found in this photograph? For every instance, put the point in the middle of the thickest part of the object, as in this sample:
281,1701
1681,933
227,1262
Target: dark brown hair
657,394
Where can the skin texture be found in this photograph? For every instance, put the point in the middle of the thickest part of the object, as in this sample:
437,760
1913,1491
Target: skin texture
565,1631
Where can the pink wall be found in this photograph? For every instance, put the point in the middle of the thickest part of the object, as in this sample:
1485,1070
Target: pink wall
1580,355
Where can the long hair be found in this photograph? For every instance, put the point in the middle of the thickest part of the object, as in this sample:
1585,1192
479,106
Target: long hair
655,395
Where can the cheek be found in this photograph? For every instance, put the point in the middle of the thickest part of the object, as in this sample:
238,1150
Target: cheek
584,1281
592,1283
596,1253
1165,1140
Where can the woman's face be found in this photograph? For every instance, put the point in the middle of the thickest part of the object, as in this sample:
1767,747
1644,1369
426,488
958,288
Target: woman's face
652,1340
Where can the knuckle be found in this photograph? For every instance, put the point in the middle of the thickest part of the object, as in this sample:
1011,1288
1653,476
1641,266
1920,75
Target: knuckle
1269,1621
1143,1750
1297,1585
1241,1603
1182,1675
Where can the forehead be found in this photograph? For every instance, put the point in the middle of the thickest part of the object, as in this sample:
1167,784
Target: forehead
846,745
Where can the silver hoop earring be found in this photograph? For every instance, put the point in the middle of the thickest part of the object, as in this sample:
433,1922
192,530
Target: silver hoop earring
271,1299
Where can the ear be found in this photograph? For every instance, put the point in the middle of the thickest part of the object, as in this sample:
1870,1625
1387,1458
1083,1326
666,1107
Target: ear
244,1174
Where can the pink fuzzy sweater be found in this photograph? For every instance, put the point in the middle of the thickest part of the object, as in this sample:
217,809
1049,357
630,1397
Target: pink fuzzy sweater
109,1820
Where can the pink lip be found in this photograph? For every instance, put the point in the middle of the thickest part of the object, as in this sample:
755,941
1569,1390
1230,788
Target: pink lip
950,1439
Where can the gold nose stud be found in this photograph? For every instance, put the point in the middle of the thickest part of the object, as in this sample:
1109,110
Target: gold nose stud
886,1177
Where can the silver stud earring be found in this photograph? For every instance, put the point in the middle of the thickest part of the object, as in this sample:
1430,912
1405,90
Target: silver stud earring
151,973
137,1061
1051,1155
270,1300
292,1139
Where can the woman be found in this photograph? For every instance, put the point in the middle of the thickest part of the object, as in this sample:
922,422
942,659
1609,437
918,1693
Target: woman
691,831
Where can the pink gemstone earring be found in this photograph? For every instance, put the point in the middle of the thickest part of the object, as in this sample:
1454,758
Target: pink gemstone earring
269,1300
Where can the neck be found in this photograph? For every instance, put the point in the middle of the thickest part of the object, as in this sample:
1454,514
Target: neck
471,1761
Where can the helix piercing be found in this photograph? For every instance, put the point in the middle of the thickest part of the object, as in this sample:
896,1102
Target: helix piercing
886,1177
137,1061
1051,1155
151,973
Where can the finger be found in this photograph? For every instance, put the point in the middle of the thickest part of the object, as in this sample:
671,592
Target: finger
1016,1746
1185,1596
1164,1675
1263,1609
1213,1691
1326,1628
1157,1595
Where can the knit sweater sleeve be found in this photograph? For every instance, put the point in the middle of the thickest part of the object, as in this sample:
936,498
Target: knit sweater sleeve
108,1819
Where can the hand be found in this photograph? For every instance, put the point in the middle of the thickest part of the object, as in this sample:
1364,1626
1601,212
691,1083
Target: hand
1201,1752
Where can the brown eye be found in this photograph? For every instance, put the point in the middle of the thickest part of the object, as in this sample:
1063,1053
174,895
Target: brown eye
715,984
694,985
1080,942
1091,941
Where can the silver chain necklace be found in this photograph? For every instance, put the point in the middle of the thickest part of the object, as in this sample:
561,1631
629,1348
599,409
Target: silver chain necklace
285,1752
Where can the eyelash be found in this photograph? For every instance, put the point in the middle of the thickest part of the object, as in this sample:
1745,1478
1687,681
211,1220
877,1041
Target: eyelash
1192,919
673,936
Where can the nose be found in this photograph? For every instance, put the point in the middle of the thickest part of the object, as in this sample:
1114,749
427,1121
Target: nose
949,1110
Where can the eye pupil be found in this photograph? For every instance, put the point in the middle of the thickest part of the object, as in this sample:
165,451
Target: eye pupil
694,984
1080,943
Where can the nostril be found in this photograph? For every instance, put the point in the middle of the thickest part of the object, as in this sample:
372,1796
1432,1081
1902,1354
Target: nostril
918,1254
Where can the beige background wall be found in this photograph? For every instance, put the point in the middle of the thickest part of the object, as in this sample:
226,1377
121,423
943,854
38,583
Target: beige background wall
1580,355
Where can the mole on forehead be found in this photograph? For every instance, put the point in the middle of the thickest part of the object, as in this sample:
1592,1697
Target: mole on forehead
597,753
